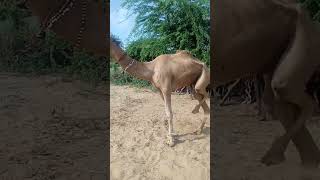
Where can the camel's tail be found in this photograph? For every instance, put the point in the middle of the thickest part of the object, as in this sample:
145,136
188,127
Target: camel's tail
202,82
204,79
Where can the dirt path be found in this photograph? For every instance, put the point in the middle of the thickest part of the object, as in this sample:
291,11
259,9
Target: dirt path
138,150
51,128
241,140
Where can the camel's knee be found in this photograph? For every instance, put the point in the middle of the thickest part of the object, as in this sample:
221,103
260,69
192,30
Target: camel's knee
169,114
280,88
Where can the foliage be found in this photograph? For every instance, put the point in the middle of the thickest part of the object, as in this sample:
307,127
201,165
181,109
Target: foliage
314,8
164,26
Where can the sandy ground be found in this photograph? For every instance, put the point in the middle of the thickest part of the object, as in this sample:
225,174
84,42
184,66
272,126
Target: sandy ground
51,128
240,140
137,136
54,128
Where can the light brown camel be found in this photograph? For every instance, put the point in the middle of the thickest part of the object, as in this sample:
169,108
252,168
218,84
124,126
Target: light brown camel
167,73
276,38
252,37
86,16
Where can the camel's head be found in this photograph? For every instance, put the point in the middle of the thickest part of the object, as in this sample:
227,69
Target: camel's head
115,51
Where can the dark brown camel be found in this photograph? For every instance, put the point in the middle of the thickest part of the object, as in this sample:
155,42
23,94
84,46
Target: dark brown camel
276,38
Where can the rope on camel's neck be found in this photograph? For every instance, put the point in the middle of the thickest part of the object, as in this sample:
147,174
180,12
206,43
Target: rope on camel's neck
66,7
122,57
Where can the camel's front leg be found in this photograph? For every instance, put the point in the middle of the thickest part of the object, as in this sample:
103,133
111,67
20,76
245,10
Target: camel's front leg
167,101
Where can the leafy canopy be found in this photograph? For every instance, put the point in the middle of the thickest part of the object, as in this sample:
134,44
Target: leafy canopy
164,26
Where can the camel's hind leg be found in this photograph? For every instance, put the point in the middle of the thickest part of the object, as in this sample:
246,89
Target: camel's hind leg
200,88
288,84
286,114
267,99
206,111
201,95
202,103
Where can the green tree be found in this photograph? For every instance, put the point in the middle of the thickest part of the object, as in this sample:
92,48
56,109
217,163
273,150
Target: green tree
314,8
164,26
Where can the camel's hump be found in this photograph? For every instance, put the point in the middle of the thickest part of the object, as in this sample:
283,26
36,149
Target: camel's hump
183,52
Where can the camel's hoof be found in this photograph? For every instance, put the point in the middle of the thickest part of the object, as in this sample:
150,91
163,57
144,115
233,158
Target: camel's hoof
312,162
275,155
170,141
263,119
272,158
197,132
195,111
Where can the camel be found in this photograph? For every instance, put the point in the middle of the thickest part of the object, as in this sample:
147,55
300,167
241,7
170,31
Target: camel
167,73
249,39
185,70
275,38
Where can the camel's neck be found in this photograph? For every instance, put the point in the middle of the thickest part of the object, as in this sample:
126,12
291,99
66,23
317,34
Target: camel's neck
135,68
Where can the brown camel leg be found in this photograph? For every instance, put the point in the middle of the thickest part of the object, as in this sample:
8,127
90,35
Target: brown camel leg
201,95
258,92
267,99
200,90
206,111
288,84
203,121
302,140
293,108
167,101
276,154
201,98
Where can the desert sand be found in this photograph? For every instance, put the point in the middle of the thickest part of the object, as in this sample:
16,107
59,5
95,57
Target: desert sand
52,128
240,140
138,150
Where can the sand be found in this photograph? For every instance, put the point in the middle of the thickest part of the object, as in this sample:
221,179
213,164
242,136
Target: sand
138,149
54,128
241,140
51,128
